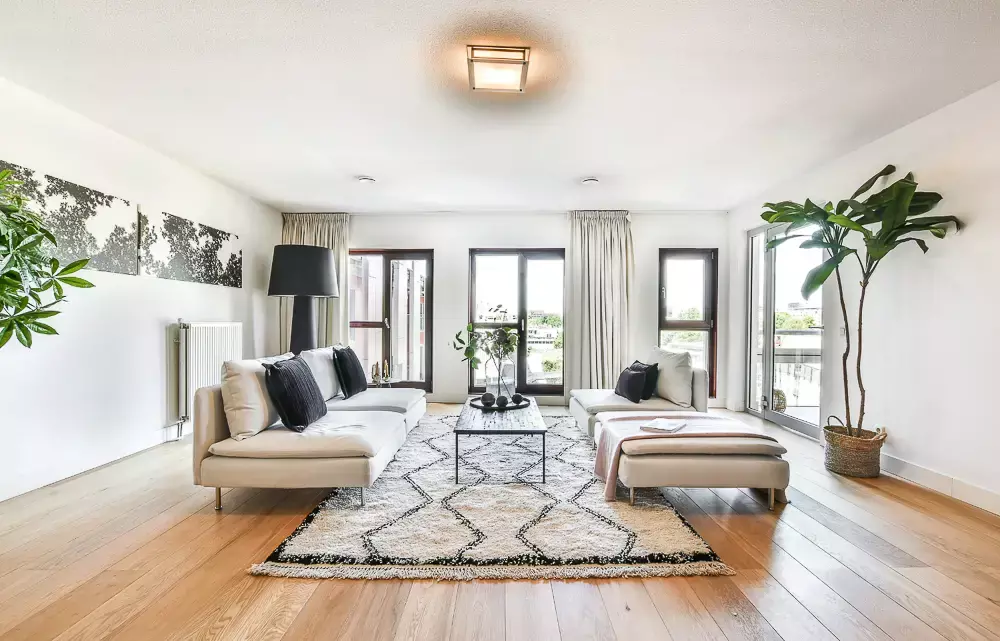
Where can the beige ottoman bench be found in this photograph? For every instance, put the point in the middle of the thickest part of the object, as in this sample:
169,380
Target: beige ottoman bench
721,461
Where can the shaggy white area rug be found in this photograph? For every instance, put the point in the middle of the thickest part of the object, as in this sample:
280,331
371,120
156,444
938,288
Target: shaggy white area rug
499,522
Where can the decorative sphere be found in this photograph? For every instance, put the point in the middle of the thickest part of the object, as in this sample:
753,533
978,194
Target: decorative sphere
517,398
488,399
501,401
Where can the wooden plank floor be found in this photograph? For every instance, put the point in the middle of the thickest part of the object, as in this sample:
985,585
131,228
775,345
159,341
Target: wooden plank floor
134,551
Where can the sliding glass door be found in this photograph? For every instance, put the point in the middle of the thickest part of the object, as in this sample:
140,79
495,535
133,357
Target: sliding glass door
520,290
390,307
784,333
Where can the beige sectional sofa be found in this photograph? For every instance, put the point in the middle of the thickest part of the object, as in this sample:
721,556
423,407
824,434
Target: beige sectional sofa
585,404
678,461
349,447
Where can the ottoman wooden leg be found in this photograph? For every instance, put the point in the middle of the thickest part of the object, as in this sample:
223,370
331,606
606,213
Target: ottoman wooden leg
770,498
631,496
218,498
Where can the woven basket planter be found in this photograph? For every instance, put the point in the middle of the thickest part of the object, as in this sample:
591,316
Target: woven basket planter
857,456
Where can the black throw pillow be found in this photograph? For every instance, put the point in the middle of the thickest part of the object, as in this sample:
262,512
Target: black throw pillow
652,373
349,370
630,384
294,391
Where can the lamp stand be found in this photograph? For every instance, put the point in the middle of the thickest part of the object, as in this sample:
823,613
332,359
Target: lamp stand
303,325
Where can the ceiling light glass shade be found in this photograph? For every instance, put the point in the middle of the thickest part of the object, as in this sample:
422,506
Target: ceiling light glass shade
498,68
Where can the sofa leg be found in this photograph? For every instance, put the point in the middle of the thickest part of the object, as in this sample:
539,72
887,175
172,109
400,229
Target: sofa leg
218,498
770,498
362,496
631,496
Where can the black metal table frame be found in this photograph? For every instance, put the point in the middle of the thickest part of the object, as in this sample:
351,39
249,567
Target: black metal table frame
500,433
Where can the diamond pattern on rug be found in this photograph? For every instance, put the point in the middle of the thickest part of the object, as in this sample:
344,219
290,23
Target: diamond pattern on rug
520,504
439,533
500,521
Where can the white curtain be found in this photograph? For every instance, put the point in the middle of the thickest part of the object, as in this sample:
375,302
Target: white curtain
324,230
601,268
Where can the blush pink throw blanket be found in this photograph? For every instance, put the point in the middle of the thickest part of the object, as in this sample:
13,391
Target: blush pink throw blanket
626,428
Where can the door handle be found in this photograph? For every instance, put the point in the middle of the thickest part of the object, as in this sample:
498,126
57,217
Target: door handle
386,322
522,325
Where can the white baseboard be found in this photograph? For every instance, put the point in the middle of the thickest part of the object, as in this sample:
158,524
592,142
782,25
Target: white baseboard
948,485
975,495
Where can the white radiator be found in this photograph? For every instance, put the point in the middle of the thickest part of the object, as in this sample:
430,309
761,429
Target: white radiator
202,349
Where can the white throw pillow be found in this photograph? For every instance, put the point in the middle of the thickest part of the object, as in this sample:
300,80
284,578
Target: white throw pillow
245,399
320,362
675,375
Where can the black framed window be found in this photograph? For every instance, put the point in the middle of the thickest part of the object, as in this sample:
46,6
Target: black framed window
390,307
689,306
528,284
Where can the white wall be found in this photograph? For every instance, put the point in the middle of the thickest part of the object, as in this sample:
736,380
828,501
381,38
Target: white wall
931,321
99,390
452,235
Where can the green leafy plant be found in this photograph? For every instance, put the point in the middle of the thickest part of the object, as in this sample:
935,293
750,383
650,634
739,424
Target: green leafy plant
884,220
497,343
32,282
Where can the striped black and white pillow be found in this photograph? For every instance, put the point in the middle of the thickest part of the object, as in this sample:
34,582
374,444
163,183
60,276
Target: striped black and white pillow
294,392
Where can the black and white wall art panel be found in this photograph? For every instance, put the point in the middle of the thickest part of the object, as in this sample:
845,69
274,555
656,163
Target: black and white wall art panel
179,249
85,222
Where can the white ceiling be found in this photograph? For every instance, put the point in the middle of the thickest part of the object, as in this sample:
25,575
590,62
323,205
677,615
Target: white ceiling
673,104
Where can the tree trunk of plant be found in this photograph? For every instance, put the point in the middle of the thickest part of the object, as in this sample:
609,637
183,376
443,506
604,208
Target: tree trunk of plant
847,351
861,383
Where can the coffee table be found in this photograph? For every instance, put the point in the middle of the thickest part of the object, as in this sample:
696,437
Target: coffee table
524,421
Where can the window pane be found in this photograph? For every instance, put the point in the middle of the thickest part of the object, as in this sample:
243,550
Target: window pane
367,344
755,376
496,286
545,322
407,317
694,341
364,297
684,282
798,333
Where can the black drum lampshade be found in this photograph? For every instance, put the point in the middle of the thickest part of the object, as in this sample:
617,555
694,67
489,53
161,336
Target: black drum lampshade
305,272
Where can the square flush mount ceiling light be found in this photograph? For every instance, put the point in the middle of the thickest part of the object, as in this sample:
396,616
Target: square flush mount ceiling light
498,68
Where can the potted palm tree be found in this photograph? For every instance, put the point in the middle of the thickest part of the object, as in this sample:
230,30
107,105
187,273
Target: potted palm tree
884,221
31,281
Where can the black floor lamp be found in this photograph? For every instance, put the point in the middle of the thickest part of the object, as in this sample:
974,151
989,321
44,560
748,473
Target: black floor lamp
305,272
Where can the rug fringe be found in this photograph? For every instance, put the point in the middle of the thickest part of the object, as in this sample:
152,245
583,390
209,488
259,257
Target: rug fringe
497,572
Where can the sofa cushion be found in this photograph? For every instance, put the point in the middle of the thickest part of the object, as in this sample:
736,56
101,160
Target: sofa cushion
336,435
350,373
320,362
691,445
294,392
675,375
378,399
605,400
631,383
245,399
652,374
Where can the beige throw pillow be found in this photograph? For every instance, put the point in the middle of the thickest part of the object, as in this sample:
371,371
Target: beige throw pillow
675,375
320,362
244,396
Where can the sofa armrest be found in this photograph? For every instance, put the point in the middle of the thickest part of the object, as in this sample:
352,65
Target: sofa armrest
699,390
210,425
